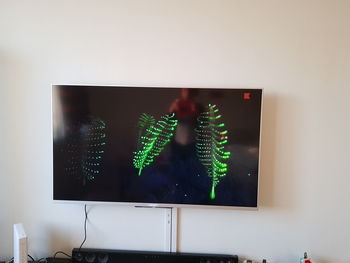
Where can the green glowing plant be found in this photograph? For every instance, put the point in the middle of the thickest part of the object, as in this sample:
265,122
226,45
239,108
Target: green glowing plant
145,121
153,142
95,143
86,149
210,143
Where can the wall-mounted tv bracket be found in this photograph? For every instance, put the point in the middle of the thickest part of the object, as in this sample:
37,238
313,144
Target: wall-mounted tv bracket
171,227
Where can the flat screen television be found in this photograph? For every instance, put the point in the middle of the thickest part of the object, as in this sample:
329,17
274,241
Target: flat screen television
157,146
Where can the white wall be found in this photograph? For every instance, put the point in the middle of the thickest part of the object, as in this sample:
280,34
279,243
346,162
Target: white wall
298,51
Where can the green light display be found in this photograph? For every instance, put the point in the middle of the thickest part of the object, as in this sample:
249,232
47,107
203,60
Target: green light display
210,145
95,143
86,150
145,121
154,141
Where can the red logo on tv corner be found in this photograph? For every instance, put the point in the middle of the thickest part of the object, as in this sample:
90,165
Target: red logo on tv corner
246,95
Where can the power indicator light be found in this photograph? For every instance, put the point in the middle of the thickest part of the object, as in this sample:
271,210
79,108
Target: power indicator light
246,95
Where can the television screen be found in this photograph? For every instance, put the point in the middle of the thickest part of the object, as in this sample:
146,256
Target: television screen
158,146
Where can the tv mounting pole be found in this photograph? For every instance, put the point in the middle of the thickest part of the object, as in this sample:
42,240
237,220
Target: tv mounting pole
171,227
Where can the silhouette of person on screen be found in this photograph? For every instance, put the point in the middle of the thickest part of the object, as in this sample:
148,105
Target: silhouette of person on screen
186,111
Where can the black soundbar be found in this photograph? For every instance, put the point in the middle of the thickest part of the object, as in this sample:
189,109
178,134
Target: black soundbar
90,255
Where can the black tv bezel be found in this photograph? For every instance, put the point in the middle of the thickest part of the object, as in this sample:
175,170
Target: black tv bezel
160,205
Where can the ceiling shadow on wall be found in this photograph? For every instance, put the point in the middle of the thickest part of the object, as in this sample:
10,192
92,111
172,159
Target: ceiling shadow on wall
11,67
282,131
268,151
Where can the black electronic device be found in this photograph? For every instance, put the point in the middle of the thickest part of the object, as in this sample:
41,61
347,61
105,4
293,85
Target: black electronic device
90,255
156,146
57,260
